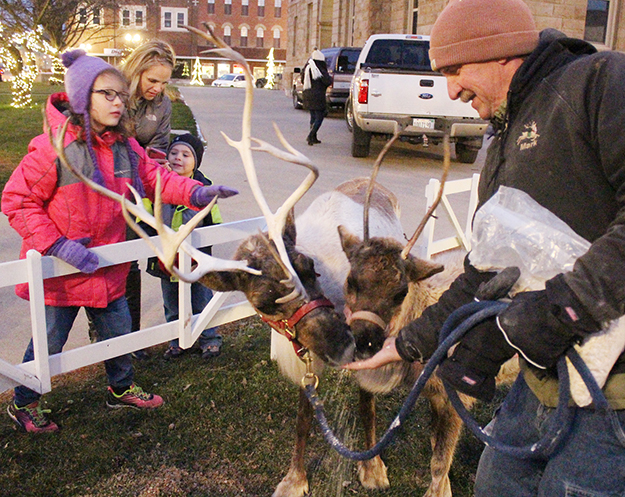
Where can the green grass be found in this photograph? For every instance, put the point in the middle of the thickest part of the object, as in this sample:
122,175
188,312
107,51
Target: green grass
227,429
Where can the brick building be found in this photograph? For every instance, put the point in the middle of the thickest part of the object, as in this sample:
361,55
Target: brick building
327,23
252,27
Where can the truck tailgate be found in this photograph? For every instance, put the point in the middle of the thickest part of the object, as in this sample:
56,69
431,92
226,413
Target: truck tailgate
411,95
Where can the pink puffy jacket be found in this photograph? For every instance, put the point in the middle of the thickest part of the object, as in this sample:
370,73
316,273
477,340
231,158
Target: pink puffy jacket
45,201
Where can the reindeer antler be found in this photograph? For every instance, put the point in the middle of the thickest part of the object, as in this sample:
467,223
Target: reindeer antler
170,240
428,214
276,222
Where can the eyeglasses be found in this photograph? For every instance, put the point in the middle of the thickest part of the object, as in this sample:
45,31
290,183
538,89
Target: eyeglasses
110,95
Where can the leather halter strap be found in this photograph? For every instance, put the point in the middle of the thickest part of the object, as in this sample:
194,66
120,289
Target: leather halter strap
286,327
372,317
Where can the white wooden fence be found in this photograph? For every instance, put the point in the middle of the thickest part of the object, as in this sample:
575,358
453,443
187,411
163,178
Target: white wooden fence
35,268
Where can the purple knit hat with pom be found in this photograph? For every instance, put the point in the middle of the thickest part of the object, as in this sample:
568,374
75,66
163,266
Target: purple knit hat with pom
82,71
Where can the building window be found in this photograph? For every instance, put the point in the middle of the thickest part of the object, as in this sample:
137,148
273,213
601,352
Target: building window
276,38
261,8
228,35
97,16
211,6
245,7
173,19
415,16
277,11
597,21
228,7
260,38
243,36
132,16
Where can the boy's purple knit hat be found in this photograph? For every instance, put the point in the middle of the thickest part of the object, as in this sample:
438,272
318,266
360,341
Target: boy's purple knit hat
82,71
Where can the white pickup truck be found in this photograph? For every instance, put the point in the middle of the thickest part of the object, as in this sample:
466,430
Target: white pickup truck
394,85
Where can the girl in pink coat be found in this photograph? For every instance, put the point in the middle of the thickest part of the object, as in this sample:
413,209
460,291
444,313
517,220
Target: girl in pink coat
56,214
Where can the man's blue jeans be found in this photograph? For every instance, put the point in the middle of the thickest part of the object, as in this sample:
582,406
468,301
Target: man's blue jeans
200,296
589,463
110,322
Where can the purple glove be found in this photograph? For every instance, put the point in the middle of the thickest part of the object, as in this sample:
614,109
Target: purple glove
202,195
74,252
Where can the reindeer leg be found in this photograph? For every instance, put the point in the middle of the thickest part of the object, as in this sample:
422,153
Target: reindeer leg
371,473
295,483
446,429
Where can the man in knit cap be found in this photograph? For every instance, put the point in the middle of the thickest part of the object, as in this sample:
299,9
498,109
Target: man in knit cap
557,108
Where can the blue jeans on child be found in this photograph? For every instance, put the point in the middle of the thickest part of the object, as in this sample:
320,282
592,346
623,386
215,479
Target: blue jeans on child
111,321
590,462
200,296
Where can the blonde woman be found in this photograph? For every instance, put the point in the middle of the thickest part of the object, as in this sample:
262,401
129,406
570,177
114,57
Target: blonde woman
148,70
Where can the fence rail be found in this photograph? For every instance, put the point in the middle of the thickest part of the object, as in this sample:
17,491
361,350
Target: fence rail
36,268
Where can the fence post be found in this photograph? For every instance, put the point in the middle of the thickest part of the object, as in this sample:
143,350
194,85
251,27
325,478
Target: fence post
38,320
185,311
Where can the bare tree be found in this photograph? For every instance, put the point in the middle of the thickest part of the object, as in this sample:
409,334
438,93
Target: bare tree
32,28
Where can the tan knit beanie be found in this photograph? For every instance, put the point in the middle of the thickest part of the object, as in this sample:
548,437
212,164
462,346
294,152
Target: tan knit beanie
481,30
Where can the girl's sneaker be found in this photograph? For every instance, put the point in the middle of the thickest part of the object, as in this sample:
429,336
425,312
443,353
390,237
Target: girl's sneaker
134,397
32,418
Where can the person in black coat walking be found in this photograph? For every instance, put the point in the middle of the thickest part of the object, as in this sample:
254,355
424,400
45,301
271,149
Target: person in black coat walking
315,79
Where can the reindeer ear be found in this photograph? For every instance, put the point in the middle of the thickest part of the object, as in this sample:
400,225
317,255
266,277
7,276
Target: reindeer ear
349,241
290,233
419,269
222,281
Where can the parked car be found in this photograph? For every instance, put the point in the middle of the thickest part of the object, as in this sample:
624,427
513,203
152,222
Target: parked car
341,62
231,80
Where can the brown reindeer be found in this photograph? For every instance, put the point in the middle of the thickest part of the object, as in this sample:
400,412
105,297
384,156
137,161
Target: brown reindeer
384,291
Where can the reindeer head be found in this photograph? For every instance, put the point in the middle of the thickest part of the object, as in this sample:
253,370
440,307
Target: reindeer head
322,330
382,272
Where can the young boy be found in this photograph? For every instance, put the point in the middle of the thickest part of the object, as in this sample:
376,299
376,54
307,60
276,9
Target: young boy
185,156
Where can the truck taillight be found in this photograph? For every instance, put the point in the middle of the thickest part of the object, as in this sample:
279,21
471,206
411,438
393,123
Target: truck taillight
363,91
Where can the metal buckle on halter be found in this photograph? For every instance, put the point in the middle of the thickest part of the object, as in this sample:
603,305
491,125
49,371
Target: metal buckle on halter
291,334
309,378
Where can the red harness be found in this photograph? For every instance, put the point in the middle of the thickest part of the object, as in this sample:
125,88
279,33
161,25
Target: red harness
286,327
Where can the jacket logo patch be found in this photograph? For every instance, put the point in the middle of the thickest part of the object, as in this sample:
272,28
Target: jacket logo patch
529,137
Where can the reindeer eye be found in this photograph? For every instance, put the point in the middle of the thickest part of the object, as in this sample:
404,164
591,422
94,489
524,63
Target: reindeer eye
399,297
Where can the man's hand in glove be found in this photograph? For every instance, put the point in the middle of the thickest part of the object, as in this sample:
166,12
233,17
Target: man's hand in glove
74,252
202,195
541,326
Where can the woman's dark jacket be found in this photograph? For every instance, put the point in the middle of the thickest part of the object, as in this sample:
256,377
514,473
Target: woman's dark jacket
314,98
561,141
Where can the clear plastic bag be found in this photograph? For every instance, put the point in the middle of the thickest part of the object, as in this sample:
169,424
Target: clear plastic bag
512,229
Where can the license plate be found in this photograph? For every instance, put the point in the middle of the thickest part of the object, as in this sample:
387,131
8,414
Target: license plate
342,85
423,123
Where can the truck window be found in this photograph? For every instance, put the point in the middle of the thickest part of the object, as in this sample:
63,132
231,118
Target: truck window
347,61
411,55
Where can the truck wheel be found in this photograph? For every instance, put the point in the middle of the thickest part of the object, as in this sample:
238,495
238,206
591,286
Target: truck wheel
361,142
349,116
296,102
465,153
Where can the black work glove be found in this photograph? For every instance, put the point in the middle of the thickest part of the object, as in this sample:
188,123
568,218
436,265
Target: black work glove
476,360
544,325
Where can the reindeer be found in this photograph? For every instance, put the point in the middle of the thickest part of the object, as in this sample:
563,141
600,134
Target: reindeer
293,275
384,291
